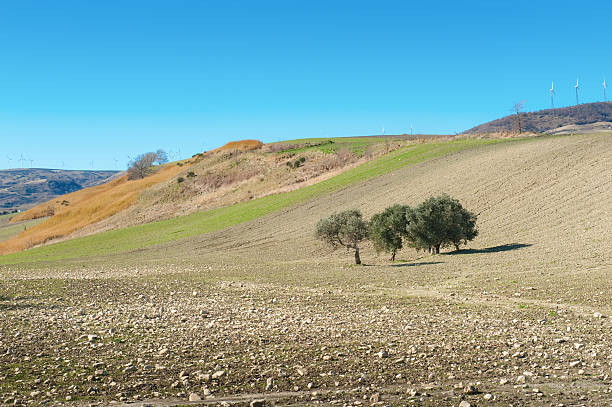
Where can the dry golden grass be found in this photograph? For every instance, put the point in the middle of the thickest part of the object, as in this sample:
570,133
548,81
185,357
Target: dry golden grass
242,145
84,207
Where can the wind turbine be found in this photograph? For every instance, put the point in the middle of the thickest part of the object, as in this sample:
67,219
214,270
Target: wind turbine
605,86
31,163
22,160
577,86
10,160
116,161
91,162
552,92
383,130
411,129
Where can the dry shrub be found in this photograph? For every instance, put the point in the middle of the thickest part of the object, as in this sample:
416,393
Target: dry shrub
212,181
340,159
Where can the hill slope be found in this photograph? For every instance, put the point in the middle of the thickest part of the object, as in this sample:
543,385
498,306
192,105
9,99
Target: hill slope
27,187
548,120
214,219
225,176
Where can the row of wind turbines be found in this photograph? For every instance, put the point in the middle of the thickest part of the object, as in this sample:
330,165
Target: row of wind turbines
21,160
576,88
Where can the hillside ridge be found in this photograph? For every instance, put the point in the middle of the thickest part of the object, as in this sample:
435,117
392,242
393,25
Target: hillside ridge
548,120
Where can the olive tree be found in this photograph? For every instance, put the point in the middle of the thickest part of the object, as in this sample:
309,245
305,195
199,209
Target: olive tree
438,222
343,229
387,229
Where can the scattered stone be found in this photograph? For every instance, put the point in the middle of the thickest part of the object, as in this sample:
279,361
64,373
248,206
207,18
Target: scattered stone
194,397
470,389
269,384
503,381
488,396
218,374
412,392
258,403
383,354
375,398
521,379
464,404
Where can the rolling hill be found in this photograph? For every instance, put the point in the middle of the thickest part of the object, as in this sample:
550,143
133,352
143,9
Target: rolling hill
237,172
550,120
246,302
27,187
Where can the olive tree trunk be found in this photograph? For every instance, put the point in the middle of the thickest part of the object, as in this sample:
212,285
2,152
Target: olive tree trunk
357,258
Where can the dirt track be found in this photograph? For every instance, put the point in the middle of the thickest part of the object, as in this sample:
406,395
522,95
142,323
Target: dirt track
521,315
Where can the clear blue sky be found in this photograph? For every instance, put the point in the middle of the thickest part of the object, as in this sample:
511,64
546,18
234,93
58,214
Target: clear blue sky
84,81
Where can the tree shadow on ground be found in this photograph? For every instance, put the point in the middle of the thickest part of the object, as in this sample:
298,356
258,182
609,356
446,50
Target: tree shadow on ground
423,263
494,249
16,304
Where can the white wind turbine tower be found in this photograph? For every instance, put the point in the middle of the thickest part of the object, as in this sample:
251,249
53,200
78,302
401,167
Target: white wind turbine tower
411,129
552,93
577,86
10,160
605,86
116,161
383,130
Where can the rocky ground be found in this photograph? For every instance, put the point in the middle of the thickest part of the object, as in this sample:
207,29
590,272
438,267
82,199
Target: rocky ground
169,339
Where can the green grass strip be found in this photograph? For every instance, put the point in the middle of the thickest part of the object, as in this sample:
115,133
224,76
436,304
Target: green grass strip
149,234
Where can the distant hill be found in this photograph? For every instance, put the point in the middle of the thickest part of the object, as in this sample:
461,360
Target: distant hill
27,187
549,120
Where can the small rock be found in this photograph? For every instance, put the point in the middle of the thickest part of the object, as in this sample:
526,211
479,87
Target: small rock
574,363
488,396
194,397
464,404
375,398
412,392
258,403
598,315
218,374
503,381
383,354
521,379
470,389
269,384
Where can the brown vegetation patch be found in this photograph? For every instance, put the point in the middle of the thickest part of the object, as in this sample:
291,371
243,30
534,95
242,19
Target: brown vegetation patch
242,145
